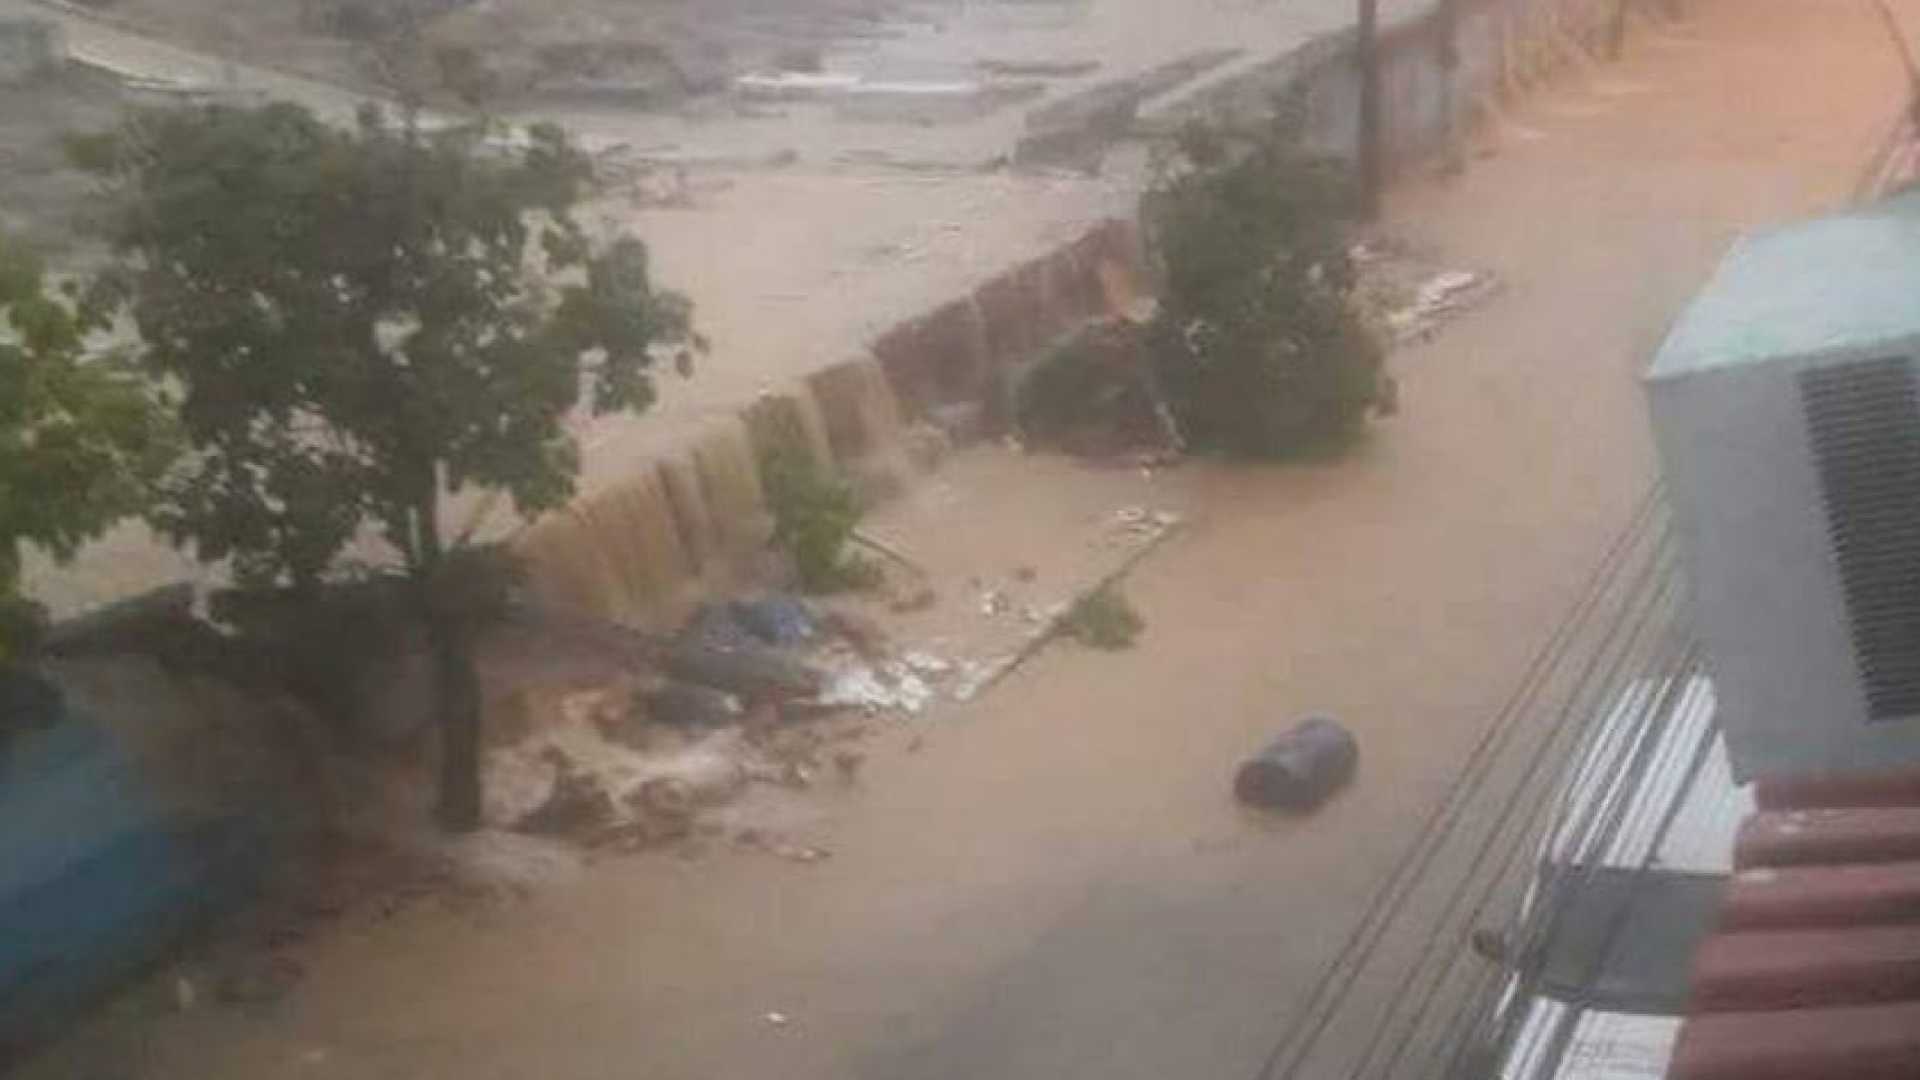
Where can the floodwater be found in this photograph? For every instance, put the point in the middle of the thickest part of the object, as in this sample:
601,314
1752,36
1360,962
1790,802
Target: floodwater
1057,884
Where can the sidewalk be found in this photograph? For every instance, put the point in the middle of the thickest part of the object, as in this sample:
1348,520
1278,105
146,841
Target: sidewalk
1057,885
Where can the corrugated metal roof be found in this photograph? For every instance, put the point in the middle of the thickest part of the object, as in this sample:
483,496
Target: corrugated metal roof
1651,803
1701,839
1602,1046
1669,725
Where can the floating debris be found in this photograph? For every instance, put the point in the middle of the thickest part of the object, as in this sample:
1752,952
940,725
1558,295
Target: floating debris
976,675
925,663
1135,525
801,853
1443,295
890,686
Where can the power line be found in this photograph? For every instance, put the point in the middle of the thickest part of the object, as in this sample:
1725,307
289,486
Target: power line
1338,978
1430,958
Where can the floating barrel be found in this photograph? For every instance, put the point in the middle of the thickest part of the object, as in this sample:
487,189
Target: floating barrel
1299,769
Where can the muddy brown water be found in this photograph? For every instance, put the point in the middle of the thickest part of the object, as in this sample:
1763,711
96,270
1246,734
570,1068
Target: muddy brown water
1059,884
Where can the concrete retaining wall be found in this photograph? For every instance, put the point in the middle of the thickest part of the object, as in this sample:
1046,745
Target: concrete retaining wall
680,526
689,522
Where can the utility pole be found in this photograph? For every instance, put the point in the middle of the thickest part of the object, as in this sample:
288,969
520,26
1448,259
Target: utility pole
1367,55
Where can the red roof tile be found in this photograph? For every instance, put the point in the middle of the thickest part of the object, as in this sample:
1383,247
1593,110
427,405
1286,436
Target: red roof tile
1797,969
1815,971
1770,898
1893,787
1828,837
1879,1042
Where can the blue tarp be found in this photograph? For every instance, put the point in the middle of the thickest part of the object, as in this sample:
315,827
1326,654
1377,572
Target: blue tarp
96,878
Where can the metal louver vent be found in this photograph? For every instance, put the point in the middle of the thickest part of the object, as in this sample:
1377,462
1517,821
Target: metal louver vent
1864,421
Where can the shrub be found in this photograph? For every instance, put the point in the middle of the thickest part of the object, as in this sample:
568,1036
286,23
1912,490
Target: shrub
1103,619
1259,345
1091,393
814,513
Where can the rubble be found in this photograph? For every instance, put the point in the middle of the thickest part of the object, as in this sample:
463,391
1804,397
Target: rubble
740,648
917,600
754,673
890,686
778,620
976,675
649,761
686,706
576,801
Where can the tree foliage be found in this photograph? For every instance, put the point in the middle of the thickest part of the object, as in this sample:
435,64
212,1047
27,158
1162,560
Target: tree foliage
1260,348
364,323
81,436
814,515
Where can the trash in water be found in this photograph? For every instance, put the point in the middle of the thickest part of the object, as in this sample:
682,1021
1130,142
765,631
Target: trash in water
888,686
753,671
918,600
1446,293
777,620
1134,525
800,853
976,675
717,626
925,663
577,801
684,705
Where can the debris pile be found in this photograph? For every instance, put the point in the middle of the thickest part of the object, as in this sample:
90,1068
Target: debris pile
761,691
1412,295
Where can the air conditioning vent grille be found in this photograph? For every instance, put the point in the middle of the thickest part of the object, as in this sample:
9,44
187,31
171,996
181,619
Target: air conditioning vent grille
1864,423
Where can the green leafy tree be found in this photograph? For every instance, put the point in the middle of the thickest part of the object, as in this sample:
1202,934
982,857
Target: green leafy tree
364,323
81,436
1259,345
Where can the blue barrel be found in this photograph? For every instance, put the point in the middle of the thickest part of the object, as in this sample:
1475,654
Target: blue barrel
1298,770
